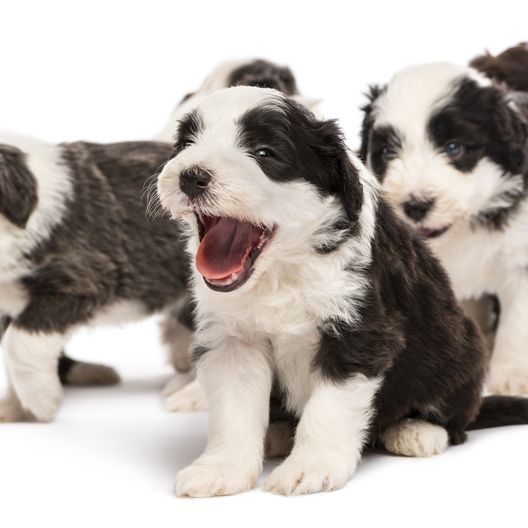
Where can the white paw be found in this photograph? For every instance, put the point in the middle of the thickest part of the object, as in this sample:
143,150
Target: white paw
11,410
415,438
308,474
177,382
42,401
211,480
190,398
508,379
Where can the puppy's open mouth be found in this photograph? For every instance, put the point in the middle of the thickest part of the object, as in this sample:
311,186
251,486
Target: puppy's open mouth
228,250
428,232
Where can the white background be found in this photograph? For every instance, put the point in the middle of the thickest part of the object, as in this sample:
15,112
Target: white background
109,71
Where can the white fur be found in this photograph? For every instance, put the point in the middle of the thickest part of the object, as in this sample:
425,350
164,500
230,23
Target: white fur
31,360
270,323
329,438
415,438
478,260
189,398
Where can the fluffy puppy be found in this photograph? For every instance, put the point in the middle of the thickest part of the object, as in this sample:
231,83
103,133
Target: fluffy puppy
76,249
241,72
309,288
185,393
450,148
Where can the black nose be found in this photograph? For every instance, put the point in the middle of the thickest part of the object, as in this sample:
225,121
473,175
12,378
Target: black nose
416,208
194,181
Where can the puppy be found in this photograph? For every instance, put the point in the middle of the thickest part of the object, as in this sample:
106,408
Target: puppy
76,249
185,393
450,148
308,287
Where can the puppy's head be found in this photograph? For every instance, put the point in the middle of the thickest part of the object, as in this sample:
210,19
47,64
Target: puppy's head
18,187
259,179
448,146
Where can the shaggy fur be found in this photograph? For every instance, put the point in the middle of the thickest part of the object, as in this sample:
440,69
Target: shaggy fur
509,67
450,148
77,249
310,289
176,337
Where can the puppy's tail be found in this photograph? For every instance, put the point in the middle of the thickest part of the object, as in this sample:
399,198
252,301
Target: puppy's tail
497,411
83,374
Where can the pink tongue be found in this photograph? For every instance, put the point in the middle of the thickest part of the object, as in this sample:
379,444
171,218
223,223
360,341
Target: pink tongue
225,247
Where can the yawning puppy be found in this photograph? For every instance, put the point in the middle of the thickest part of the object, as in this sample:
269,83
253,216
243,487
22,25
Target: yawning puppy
76,248
307,282
181,395
450,148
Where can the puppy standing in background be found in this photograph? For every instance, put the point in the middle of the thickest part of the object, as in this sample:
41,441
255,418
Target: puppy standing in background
181,394
76,249
308,286
450,148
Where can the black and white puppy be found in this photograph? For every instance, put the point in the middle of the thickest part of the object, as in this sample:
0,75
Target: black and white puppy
185,394
450,148
76,248
238,72
306,281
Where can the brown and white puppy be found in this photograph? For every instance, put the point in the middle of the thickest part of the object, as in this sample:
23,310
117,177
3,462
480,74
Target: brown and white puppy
76,249
450,148
309,288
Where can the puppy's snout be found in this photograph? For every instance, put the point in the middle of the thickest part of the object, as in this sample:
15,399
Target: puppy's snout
194,181
417,208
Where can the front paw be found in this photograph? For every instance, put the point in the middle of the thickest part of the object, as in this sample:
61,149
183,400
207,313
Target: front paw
301,474
508,379
41,401
211,480
11,410
187,399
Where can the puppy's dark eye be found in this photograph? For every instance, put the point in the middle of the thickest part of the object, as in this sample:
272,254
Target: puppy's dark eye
263,153
388,153
454,150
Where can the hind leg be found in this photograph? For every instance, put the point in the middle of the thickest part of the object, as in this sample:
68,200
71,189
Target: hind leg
415,438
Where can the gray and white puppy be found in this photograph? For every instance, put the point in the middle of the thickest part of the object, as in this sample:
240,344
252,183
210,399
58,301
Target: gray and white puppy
76,249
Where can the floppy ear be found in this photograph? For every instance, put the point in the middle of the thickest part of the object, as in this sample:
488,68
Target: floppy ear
374,91
18,187
344,177
511,133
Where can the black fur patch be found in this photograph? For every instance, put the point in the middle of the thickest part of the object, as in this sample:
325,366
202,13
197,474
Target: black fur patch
18,187
264,74
189,128
302,148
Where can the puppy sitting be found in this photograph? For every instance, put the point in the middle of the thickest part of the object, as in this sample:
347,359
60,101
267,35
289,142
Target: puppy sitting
76,248
450,148
182,395
307,284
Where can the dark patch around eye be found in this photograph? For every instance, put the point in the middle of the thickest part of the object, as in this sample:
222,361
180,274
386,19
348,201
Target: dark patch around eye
188,129
385,144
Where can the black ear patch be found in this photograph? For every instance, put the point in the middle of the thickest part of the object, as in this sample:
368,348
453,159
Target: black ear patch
18,186
373,93
342,177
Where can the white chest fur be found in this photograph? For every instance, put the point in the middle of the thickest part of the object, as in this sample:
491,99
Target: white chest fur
479,261
13,298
